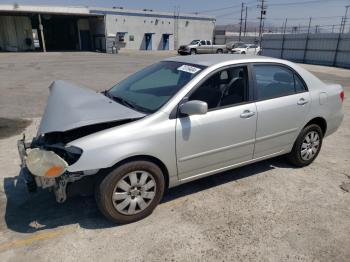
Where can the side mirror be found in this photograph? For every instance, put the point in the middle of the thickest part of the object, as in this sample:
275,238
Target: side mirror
194,107
199,44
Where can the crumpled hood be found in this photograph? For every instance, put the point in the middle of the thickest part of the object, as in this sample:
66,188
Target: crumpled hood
70,106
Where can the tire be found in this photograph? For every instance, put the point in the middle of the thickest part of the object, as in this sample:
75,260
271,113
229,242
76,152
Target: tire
193,52
300,155
219,51
243,53
112,186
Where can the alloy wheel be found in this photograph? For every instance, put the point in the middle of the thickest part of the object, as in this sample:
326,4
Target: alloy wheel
134,192
310,145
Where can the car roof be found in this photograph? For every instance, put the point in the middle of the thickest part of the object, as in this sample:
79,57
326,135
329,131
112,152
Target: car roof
213,59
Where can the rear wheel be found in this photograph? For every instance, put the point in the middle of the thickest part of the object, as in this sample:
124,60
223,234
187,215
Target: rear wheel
219,51
307,146
130,192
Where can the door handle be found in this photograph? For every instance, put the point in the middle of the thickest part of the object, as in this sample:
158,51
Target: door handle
302,101
247,114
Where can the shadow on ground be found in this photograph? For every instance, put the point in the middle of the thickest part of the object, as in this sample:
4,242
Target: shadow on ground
28,213
10,127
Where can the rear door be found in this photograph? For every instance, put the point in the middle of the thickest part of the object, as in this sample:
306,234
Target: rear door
282,105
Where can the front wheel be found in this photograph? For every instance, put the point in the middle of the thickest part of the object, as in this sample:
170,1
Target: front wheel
307,146
130,192
193,52
243,53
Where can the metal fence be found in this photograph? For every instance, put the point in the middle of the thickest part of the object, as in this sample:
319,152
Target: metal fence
223,39
319,48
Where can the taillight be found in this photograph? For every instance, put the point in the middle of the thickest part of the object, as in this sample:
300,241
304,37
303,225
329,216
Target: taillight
341,96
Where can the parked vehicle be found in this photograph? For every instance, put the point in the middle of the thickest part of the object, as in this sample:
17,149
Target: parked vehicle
232,45
249,49
201,47
176,121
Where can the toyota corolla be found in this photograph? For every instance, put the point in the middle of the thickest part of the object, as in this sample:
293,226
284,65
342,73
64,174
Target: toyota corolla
178,120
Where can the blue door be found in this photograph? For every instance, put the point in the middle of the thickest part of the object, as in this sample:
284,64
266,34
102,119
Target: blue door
148,38
165,42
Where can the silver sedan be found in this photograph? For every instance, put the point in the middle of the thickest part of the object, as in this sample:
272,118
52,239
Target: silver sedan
178,120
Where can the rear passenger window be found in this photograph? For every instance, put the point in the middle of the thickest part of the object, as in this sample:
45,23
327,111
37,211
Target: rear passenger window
275,81
299,85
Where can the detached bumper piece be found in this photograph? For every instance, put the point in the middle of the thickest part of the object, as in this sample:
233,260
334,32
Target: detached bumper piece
24,174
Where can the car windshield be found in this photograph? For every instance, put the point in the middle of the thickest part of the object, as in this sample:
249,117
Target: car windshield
150,88
194,42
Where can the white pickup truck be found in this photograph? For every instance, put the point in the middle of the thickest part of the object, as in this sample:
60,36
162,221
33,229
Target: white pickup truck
201,47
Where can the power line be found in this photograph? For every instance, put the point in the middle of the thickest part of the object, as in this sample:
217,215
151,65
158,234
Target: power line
303,3
304,18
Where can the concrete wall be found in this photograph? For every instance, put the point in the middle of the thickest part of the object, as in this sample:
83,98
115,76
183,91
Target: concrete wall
138,26
14,30
323,49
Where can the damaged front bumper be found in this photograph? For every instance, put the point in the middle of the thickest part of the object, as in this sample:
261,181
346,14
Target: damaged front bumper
58,184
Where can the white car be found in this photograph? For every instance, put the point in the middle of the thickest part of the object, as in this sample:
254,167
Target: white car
173,122
247,49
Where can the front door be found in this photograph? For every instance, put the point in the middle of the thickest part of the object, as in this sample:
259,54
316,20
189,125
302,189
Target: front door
148,41
225,135
283,103
202,47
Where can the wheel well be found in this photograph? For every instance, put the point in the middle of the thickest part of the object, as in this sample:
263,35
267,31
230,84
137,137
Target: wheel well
152,159
321,122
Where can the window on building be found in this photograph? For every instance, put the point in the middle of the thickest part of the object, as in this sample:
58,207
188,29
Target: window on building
131,38
121,37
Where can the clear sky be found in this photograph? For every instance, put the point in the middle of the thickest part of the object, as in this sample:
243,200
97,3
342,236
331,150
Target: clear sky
329,12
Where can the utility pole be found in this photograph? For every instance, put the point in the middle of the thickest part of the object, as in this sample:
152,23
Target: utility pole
176,26
241,22
344,20
307,40
41,29
262,7
245,20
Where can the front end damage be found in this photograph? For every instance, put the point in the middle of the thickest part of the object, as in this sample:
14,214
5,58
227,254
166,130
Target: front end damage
45,166
72,112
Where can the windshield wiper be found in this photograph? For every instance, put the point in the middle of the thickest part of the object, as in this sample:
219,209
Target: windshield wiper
126,103
123,102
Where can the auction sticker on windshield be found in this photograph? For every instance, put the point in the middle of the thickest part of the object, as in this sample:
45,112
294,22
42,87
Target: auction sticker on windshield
188,69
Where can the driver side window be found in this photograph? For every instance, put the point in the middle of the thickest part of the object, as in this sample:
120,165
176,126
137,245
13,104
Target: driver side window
203,42
224,88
